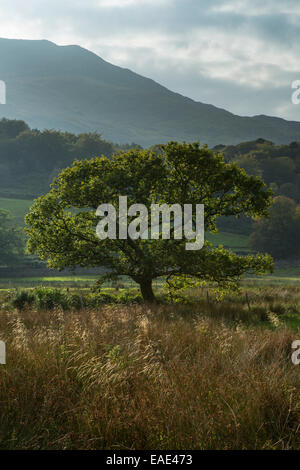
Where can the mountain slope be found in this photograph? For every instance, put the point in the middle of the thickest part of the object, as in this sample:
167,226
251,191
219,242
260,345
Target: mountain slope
70,88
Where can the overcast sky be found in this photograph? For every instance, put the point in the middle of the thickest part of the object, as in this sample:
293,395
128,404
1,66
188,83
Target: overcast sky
241,55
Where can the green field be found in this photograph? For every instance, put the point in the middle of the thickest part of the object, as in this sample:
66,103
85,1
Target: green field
287,275
281,276
82,281
17,207
233,241
236,242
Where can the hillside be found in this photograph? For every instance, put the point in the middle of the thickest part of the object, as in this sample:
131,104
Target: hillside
72,89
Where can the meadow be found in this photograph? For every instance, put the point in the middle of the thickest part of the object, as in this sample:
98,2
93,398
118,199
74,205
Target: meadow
197,375
17,207
281,276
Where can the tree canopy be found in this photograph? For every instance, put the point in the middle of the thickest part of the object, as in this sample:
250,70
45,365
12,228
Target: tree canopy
29,156
279,234
278,165
61,224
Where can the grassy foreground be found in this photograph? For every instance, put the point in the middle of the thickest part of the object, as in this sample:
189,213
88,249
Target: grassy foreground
131,377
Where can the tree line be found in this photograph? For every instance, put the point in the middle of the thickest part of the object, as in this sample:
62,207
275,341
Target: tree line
31,158
279,167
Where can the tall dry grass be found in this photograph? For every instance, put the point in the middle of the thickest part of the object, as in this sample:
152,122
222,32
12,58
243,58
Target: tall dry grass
131,377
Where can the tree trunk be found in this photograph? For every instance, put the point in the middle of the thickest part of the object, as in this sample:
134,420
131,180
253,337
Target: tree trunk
147,291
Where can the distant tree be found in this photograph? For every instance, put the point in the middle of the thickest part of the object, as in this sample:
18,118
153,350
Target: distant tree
274,188
290,190
44,150
183,174
11,240
156,148
249,163
10,129
91,145
279,170
127,147
29,157
278,234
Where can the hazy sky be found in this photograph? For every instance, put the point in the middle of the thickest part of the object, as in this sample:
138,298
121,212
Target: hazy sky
241,55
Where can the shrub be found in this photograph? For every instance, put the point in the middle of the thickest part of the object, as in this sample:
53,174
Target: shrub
129,298
99,298
22,299
48,298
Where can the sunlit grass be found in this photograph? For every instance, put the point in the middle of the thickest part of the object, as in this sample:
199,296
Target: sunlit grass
203,375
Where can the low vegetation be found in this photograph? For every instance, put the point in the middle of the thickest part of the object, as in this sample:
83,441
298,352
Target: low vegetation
50,298
200,375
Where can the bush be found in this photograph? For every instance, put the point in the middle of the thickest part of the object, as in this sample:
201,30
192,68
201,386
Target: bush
129,298
48,298
278,308
22,299
76,301
99,298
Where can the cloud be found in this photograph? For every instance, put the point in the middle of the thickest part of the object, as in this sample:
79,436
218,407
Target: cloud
238,54
126,3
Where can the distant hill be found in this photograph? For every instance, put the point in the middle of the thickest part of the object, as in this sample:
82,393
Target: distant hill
72,89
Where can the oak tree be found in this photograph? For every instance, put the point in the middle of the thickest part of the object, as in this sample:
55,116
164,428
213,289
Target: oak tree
61,224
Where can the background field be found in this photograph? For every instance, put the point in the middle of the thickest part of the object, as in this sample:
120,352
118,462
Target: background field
17,207
236,242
